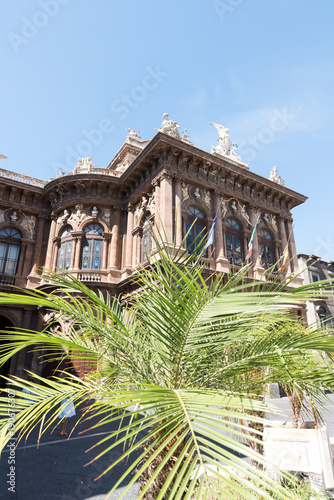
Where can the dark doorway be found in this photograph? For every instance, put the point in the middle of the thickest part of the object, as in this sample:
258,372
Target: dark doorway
5,324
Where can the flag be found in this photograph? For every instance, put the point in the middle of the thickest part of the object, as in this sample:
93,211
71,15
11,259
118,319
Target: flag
285,256
250,245
211,233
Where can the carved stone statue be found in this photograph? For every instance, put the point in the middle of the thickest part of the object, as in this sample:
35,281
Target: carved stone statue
185,137
197,193
79,215
28,224
169,127
275,177
207,198
95,212
243,213
151,203
84,166
266,218
274,223
225,146
234,206
13,217
107,215
223,207
185,192
132,134
63,218
223,140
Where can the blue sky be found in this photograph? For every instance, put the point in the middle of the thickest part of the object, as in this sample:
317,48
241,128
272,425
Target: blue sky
76,73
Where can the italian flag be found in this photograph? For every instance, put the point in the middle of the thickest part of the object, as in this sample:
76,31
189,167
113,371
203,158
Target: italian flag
250,245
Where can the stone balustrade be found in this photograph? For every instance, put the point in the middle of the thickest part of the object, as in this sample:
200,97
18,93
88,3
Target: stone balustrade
25,179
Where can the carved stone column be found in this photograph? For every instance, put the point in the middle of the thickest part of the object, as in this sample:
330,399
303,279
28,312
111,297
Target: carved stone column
55,246
166,206
178,211
283,237
28,257
114,247
106,250
222,263
77,236
38,243
129,237
292,245
50,249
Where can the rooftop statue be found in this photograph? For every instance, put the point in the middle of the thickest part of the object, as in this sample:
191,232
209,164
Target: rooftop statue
169,127
133,134
275,177
84,166
225,146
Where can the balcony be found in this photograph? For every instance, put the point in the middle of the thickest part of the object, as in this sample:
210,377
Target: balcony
7,279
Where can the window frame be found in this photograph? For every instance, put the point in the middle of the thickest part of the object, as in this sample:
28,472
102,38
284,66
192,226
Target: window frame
91,239
234,234
10,242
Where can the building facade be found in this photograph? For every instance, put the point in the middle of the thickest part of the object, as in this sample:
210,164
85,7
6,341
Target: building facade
97,223
314,269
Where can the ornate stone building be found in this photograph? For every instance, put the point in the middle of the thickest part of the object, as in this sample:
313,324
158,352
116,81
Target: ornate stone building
96,222
314,269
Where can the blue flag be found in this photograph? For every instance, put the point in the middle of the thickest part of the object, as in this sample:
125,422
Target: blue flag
211,233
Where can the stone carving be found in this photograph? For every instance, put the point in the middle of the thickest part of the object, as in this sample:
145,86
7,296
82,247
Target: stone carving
169,127
79,215
133,134
151,203
185,137
223,207
61,172
107,215
207,198
84,166
124,164
95,212
234,206
243,213
2,215
185,190
266,218
28,223
225,146
63,218
197,193
275,177
274,223
13,217
140,209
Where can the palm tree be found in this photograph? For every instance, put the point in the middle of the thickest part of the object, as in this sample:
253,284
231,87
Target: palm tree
186,359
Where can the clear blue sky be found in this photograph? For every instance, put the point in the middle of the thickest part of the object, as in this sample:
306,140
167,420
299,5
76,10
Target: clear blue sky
263,69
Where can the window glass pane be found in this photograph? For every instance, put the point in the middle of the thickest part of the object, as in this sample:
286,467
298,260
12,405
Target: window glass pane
233,223
68,254
12,233
270,254
265,234
237,251
94,228
86,253
61,256
97,254
12,258
195,212
3,247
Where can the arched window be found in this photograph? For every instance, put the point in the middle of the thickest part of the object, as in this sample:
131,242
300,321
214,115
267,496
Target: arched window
322,316
198,229
10,243
65,249
267,249
92,247
234,242
147,239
